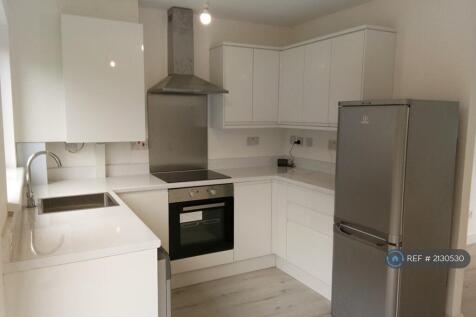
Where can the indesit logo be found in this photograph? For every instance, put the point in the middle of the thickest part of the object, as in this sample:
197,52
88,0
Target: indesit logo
365,119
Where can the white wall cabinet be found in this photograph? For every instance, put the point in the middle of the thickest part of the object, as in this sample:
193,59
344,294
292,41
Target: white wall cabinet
314,76
238,79
103,73
317,60
304,84
352,65
265,86
252,220
291,85
362,68
251,75
346,71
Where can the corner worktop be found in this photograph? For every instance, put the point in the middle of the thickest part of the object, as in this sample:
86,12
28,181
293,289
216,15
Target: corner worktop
72,236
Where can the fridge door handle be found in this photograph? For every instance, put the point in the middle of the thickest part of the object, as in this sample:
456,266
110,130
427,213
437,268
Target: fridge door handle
362,235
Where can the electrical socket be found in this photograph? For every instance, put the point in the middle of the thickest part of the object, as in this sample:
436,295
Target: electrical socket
252,140
293,139
73,147
332,145
138,146
309,141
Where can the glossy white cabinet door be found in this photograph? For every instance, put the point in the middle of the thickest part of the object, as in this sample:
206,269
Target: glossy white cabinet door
291,85
317,58
103,72
279,218
346,71
265,85
252,220
120,286
309,231
310,251
238,80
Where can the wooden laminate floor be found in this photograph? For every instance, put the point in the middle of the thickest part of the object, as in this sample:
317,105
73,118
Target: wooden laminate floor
271,292
268,292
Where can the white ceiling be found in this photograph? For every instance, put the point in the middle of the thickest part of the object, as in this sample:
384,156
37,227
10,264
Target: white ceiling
276,12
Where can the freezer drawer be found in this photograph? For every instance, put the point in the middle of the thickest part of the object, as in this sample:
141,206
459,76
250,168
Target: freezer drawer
370,167
362,284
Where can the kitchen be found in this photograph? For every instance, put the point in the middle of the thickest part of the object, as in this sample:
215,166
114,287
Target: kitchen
276,215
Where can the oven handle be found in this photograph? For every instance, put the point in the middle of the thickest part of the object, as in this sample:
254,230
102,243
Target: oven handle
199,207
193,224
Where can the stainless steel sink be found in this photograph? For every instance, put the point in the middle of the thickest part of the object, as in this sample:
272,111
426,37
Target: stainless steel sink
70,203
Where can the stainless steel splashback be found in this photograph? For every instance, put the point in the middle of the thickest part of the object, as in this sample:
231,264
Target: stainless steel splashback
178,132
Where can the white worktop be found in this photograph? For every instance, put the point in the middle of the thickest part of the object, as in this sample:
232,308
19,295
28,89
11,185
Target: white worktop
66,237
303,177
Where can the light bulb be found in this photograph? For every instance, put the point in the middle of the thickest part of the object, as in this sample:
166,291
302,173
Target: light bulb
205,16
112,64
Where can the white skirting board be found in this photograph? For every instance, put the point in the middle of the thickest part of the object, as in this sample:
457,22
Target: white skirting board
221,271
310,281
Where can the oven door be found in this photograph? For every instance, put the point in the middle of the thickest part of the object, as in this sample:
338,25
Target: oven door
200,227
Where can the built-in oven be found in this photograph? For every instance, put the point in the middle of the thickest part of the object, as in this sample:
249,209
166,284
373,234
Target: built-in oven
200,220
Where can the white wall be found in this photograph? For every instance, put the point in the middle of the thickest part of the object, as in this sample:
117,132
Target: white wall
3,188
6,91
3,211
472,207
319,149
434,60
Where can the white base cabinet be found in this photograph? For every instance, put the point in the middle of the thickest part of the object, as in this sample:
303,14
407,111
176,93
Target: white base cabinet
119,286
278,217
152,207
303,231
252,220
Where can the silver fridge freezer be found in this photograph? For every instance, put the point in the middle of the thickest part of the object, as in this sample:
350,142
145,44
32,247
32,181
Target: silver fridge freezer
394,190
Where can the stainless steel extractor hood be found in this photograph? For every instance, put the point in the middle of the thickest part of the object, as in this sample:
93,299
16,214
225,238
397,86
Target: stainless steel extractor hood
181,79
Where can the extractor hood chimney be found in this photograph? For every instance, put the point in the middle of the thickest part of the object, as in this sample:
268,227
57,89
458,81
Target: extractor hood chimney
181,79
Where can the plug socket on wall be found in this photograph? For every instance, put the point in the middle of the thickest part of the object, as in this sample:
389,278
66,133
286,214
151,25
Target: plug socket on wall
138,146
309,141
298,140
252,140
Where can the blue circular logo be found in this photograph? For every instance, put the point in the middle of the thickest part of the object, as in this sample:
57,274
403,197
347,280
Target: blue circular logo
395,259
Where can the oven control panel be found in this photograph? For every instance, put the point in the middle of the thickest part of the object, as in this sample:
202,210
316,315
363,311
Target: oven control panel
200,193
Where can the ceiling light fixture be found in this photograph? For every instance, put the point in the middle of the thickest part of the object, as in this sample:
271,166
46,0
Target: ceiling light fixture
205,16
